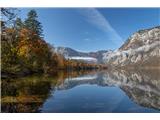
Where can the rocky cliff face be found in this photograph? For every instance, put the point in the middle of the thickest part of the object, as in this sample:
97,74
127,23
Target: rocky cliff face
141,49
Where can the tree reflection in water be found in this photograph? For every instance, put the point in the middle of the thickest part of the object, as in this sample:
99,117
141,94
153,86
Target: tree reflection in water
28,94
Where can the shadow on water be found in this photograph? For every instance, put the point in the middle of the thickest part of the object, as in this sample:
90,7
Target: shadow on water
83,91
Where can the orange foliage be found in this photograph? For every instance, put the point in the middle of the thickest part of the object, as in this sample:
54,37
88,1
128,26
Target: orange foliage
29,46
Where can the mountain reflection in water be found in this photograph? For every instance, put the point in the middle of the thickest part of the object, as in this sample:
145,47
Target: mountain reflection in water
89,91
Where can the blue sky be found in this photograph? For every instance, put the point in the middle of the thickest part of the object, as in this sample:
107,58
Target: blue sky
92,29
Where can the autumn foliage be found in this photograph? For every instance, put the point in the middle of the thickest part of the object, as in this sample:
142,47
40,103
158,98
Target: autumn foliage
24,50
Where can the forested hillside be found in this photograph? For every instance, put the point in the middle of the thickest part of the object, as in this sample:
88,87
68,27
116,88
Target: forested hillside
24,50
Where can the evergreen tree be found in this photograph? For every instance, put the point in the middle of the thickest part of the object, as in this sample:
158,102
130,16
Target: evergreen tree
32,24
18,24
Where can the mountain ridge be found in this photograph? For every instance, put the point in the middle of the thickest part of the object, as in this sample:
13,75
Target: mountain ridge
140,50
70,53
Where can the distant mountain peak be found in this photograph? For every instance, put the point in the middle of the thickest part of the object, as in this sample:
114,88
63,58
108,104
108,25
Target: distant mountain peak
77,55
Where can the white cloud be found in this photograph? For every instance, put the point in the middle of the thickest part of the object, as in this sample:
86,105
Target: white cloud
94,17
83,58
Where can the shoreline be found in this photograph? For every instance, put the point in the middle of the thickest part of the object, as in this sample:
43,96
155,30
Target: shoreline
9,75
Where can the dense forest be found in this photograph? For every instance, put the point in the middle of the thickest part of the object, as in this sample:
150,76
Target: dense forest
24,50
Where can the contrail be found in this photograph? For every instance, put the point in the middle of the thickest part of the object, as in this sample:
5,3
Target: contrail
94,17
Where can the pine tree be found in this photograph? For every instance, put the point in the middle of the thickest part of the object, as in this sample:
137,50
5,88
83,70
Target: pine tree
18,24
32,24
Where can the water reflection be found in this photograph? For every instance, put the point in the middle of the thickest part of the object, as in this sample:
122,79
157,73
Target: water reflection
143,87
29,93
25,94
84,91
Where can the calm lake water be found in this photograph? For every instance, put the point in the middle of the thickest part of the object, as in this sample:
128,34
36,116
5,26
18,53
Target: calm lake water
83,92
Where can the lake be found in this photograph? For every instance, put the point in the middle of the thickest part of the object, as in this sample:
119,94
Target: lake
107,91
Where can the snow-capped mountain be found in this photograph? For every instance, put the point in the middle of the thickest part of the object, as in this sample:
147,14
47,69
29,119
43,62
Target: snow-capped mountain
141,49
95,57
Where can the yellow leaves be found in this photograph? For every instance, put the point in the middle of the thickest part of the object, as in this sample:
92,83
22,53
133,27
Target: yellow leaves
23,47
23,51
32,52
